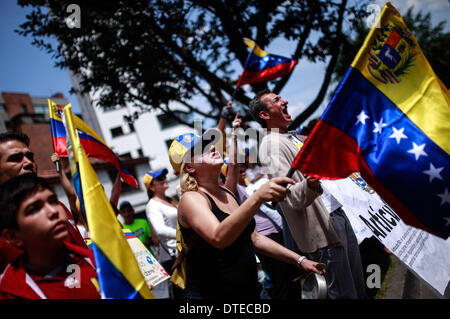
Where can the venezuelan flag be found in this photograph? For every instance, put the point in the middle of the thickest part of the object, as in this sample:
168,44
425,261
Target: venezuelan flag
262,66
390,120
118,272
93,144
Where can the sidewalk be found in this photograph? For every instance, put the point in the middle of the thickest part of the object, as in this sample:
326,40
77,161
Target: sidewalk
400,283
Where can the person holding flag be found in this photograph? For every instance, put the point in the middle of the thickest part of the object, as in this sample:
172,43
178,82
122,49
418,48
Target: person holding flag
221,263
316,220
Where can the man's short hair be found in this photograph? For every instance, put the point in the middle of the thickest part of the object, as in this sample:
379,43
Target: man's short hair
13,193
15,136
256,106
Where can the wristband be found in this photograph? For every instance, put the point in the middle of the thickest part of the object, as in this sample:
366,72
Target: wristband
299,261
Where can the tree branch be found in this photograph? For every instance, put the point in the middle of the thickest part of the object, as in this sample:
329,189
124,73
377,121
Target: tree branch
326,81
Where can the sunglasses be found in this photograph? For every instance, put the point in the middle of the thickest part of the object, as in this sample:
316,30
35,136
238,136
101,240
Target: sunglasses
161,178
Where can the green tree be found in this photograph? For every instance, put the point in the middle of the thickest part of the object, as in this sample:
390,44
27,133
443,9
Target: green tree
432,40
154,52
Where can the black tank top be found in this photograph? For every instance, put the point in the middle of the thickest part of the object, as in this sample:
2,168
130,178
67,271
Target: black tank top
231,272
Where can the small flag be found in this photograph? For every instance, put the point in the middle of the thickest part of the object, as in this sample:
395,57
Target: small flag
92,143
262,66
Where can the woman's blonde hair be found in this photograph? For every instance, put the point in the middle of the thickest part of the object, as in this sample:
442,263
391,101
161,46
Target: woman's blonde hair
187,181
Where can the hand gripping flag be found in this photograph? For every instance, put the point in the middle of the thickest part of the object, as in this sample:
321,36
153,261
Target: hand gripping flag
262,66
92,143
390,120
118,272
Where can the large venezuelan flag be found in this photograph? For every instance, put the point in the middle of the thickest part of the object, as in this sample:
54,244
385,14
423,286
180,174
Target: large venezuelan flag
262,66
118,272
390,120
93,144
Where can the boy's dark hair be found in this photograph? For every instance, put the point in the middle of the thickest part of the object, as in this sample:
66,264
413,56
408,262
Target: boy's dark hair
14,136
125,204
256,106
13,193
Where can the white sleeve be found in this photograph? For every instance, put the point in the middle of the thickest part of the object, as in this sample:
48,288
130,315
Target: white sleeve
155,216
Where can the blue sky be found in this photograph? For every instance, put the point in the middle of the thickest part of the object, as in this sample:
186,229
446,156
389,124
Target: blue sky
25,68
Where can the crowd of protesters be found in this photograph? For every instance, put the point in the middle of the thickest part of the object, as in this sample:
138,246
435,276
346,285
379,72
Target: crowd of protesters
236,238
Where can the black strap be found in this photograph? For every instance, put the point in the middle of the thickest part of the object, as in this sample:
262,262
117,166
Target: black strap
194,237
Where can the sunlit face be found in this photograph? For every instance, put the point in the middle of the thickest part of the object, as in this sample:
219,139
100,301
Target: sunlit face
209,157
159,185
276,115
15,159
41,221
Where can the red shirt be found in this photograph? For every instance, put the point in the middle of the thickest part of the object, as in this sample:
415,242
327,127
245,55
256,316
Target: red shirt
76,279
8,252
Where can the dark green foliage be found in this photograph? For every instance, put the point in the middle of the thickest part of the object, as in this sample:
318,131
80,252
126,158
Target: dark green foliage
155,52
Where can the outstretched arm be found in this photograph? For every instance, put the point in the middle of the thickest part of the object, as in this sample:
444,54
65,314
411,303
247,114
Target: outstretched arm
233,166
68,190
194,211
271,248
115,193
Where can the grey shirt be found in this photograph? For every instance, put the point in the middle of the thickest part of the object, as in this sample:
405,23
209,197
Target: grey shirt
305,213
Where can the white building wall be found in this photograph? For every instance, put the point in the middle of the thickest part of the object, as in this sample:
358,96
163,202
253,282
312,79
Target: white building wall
148,136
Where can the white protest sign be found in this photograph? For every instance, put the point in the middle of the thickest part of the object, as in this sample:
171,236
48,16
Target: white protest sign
152,271
424,254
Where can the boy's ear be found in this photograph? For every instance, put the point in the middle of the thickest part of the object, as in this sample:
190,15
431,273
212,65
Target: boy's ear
12,237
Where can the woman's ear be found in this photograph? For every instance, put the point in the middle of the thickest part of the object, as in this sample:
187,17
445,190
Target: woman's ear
12,237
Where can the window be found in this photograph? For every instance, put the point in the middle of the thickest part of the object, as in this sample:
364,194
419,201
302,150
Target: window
40,109
24,108
117,131
131,126
125,187
167,121
125,155
168,143
140,152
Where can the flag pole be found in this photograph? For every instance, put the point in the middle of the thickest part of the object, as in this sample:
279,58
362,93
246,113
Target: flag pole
245,67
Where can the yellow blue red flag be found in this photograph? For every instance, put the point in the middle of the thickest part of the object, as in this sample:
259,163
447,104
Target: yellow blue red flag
118,271
390,120
93,144
262,66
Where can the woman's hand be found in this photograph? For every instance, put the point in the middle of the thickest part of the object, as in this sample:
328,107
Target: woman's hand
274,190
314,266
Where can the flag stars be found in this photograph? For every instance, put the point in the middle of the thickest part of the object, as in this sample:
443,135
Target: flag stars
445,197
418,150
379,126
398,134
434,172
362,117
